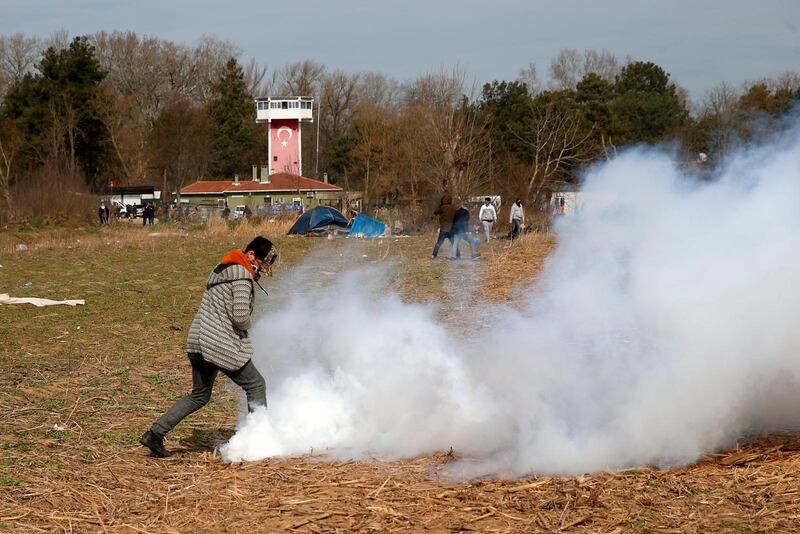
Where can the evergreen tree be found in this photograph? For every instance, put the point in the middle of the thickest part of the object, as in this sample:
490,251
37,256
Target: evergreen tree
646,107
509,107
593,94
234,138
55,108
339,154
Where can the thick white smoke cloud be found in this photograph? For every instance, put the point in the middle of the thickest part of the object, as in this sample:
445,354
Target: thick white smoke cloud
662,328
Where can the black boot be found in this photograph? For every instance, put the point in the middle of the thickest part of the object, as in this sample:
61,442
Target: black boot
155,443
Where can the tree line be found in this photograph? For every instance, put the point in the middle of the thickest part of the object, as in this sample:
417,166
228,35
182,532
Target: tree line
75,114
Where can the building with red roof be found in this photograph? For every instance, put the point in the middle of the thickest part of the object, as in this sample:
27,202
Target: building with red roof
273,192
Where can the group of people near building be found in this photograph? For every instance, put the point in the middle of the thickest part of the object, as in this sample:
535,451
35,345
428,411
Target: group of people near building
454,224
129,211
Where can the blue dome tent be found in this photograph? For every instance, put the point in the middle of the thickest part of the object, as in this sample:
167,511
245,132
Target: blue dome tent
319,219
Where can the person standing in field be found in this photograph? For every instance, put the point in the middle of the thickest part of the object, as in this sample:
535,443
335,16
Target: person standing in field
516,218
218,339
445,211
487,215
460,232
103,213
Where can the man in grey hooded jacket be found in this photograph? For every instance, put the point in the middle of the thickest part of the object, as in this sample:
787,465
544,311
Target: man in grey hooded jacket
218,339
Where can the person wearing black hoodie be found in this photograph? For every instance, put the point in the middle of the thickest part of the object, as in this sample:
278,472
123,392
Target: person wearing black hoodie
460,232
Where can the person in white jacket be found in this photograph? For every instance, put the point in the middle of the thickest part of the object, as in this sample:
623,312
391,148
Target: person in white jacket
487,215
516,218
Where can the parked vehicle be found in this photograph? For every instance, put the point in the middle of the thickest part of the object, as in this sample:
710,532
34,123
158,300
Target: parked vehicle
238,213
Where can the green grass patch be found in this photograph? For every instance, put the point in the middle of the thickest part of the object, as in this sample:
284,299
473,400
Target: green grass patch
155,379
6,480
36,222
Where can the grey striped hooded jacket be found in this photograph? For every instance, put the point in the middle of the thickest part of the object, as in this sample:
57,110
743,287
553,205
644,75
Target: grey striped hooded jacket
219,330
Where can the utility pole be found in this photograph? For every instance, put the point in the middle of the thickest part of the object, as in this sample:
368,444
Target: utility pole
319,119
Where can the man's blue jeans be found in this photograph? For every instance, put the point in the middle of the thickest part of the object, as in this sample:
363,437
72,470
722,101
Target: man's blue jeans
442,236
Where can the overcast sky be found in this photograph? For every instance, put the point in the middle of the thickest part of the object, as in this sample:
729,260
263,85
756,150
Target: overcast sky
699,42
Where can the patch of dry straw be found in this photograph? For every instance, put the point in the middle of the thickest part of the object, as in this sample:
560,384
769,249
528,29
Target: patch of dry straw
516,264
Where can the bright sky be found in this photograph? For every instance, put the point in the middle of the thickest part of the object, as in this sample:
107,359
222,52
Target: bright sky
699,42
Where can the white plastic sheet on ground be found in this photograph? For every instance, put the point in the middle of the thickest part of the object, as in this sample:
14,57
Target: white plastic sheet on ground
39,303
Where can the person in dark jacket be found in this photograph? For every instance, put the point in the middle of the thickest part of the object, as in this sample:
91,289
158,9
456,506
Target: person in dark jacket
218,339
460,232
445,211
103,213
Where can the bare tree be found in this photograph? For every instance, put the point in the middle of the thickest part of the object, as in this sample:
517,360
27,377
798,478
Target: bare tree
436,89
10,144
136,69
557,141
458,144
180,72
379,90
570,66
58,40
127,133
600,62
412,155
530,78
18,55
720,109
370,151
788,81
180,143
565,69
209,57
452,138
255,77
299,79
338,101
153,70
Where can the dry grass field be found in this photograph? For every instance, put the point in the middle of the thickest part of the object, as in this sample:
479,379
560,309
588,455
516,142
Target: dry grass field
79,385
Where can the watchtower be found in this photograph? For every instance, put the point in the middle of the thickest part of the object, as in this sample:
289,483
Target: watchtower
284,142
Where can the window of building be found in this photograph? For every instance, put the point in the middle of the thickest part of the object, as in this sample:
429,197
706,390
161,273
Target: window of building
275,105
268,200
274,158
284,105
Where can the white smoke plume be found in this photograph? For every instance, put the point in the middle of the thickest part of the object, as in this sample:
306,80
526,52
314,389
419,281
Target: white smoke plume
663,328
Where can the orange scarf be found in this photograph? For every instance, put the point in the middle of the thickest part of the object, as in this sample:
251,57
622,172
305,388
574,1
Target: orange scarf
237,256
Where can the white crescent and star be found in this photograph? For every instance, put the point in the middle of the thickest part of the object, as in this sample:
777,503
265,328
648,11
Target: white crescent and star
282,129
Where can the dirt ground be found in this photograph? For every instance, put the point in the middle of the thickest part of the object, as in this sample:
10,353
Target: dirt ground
79,385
